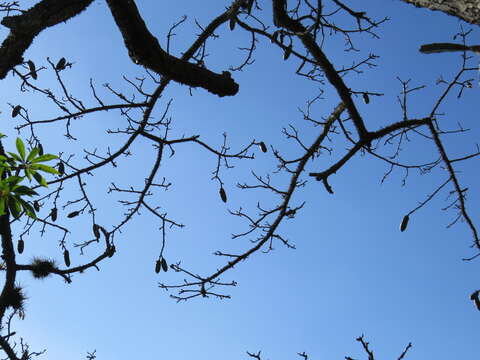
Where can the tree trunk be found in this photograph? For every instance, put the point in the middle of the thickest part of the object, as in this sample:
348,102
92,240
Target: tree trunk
468,10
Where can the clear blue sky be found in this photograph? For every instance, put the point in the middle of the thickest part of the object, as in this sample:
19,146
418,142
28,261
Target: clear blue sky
352,272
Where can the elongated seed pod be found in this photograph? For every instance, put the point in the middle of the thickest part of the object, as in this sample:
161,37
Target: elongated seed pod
40,149
36,206
33,71
20,246
404,224
111,251
164,264
223,195
61,64
16,111
232,23
366,98
53,214
263,147
96,231
158,266
61,168
66,258
73,214
475,297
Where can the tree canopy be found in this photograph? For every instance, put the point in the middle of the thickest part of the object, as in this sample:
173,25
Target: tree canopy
139,139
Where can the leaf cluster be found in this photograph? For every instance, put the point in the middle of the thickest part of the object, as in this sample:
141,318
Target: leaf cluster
14,170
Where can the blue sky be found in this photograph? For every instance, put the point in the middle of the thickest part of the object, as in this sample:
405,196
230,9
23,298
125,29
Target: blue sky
352,272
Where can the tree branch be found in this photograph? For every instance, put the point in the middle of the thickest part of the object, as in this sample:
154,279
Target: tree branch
144,49
24,27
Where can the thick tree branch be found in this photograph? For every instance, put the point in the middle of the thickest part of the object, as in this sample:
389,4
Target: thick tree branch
447,47
468,10
24,28
145,49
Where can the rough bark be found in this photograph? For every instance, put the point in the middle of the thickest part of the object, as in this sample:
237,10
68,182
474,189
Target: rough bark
24,28
468,10
144,49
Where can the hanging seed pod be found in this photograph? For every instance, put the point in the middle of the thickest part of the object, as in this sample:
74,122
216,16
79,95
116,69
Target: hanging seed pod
105,232
53,214
16,111
223,195
111,250
158,266
61,168
96,231
40,149
475,297
366,98
36,206
20,246
73,214
61,64
263,147
287,52
33,71
164,264
232,23
66,258
404,224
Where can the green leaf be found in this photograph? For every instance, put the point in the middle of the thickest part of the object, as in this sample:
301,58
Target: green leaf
43,158
20,148
44,168
14,156
24,190
2,206
28,208
14,206
32,154
40,179
28,174
13,180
